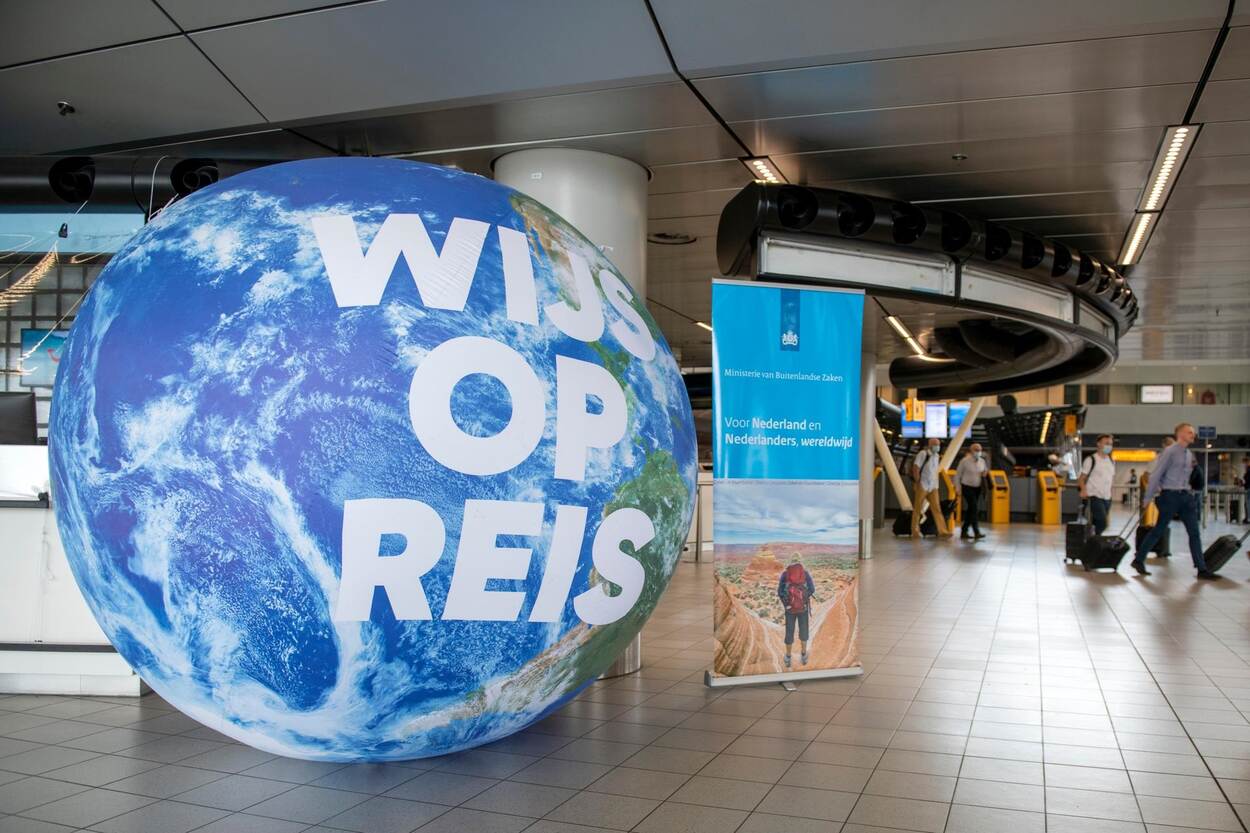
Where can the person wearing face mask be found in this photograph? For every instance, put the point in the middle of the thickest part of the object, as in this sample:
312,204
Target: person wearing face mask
1097,475
924,471
1173,493
971,473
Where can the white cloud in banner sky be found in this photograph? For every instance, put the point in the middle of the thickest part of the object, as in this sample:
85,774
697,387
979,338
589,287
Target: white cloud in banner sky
806,512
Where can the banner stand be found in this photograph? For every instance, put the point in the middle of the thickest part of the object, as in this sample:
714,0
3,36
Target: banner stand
717,681
786,514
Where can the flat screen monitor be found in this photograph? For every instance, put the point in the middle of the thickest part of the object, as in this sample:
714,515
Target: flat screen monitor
912,430
18,425
958,411
1157,395
936,423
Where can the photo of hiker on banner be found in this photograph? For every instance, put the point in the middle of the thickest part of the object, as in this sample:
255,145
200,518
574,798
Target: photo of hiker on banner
785,578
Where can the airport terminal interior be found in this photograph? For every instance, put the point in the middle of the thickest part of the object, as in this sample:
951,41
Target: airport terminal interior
676,416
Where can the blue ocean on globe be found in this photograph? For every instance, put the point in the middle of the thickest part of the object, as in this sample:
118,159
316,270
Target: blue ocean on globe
215,409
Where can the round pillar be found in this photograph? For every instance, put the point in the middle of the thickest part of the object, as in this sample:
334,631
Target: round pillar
603,196
867,429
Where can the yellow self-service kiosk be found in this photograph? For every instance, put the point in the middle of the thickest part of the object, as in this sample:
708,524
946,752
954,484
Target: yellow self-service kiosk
1047,498
952,494
1000,497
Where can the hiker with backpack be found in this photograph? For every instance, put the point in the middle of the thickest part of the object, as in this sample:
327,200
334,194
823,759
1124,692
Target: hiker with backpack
795,589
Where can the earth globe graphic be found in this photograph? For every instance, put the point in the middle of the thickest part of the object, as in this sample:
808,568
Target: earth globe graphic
223,396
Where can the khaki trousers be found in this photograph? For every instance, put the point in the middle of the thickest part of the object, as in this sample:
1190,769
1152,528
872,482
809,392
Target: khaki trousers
919,498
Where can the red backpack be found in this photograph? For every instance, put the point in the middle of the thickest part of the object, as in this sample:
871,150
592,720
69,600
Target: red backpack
796,589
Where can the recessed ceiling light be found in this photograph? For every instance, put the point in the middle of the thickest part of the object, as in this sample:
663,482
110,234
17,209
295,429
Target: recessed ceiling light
959,157
763,169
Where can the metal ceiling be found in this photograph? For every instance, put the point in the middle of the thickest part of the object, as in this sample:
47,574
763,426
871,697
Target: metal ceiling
1058,109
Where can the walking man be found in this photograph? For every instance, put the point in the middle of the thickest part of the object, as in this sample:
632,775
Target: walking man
924,471
1097,476
971,473
1173,495
796,588
1245,485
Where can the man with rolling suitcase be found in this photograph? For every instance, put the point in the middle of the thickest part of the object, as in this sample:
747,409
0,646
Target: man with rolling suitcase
1172,493
1097,477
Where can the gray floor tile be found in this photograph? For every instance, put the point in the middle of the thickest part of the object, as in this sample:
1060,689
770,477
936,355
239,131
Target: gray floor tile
102,770
902,813
18,824
520,799
1207,815
462,820
1101,805
27,792
289,769
554,772
442,787
230,758
768,823
805,802
965,818
165,781
826,776
638,783
385,815
721,792
374,779
672,817
686,761
235,792
43,759
84,809
161,817
618,812
242,823
311,805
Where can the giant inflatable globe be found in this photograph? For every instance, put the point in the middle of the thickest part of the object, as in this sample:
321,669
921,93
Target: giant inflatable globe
364,459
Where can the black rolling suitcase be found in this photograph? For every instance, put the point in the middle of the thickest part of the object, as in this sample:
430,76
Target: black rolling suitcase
1162,548
902,523
1224,548
1077,534
1105,552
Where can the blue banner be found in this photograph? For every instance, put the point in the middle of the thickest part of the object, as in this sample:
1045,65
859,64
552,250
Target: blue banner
786,498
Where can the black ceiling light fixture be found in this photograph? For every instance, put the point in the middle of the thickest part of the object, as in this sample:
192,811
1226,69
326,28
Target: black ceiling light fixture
72,179
190,175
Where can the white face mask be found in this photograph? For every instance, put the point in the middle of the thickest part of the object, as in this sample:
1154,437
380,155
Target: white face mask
1106,449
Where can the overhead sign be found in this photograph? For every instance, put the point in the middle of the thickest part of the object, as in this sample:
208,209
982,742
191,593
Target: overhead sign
786,514
936,423
1157,395
958,413
1206,432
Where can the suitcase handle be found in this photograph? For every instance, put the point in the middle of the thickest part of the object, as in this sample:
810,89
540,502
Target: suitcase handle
1133,520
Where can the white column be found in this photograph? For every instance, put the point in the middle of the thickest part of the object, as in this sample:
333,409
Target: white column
867,428
603,196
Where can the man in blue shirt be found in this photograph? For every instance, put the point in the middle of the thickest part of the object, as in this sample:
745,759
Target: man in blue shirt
1169,488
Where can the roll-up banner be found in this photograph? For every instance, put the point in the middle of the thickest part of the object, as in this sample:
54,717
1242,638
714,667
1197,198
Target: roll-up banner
786,495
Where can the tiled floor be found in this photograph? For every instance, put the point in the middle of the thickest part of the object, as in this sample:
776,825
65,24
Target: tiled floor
1004,693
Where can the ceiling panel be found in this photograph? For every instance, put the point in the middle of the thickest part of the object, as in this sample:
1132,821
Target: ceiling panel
962,76
197,14
1227,138
39,29
1067,226
971,120
1209,196
574,115
649,147
378,56
987,155
973,185
697,176
1224,101
158,88
1234,59
1011,209
714,37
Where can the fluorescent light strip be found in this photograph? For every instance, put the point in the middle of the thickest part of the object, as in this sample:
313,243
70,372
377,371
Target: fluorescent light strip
763,169
1045,429
1139,233
1173,151
707,327
899,328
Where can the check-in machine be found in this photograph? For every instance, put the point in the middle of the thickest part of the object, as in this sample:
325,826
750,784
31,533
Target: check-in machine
1000,498
1047,498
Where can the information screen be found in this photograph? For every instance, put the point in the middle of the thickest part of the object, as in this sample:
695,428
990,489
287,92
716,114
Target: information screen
958,411
935,420
1156,395
912,430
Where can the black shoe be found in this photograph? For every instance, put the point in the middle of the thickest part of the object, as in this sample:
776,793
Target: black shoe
1208,575
964,536
1140,567
979,536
